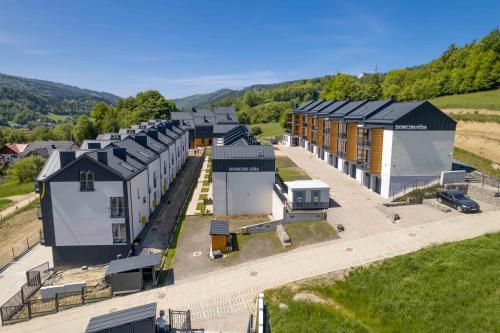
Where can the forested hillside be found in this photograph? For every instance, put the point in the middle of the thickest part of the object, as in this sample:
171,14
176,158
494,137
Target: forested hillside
459,70
25,100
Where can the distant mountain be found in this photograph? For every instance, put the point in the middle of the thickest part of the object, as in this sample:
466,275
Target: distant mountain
24,100
186,103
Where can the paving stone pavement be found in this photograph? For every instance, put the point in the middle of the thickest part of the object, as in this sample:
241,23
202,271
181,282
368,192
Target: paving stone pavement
220,300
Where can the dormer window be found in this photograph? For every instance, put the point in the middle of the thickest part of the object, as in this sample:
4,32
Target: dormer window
260,153
86,181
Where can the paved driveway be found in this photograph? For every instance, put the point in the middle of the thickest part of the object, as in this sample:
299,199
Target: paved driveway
223,300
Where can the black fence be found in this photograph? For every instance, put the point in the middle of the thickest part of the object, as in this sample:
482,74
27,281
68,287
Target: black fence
26,303
35,277
19,249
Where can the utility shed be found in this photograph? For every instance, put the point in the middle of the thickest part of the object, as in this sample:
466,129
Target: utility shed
133,273
308,194
140,319
220,236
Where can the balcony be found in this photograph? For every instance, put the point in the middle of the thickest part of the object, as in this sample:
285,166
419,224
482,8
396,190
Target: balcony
341,154
364,144
342,135
362,164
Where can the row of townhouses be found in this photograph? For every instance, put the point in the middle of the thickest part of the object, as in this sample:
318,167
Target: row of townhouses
205,124
96,200
383,144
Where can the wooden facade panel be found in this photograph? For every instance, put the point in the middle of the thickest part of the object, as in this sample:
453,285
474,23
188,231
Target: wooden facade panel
300,130
352,142
319,132
219,242
309,128
334,130
377,141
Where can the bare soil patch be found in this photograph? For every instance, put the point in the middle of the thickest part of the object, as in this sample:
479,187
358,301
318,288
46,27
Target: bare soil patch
479,138
474,111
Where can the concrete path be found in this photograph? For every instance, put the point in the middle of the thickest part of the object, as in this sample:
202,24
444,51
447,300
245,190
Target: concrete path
19,201
14,276
222,300
197,191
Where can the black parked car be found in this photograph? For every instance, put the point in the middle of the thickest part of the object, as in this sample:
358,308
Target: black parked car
458,200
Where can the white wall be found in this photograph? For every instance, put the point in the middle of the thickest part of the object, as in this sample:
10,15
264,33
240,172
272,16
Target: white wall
386,163
165,176
278,207
138,190
173,157
178,148
154,166
84,218
340,164
359,175
246,193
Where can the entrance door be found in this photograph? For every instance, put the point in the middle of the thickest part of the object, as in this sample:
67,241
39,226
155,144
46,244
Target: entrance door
366,180
378,185
353,170
346,168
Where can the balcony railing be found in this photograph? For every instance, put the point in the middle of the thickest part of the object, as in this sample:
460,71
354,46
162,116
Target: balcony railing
362,164
342,135
364,143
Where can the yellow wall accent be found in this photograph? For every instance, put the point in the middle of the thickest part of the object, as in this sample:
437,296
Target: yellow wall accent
143,220
352,141
377,141
309,128
334,130
219,243
42,194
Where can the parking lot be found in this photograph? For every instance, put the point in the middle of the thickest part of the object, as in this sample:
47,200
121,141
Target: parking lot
360,210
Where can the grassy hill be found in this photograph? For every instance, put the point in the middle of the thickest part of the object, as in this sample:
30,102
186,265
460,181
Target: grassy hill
23,100
489,100
446,288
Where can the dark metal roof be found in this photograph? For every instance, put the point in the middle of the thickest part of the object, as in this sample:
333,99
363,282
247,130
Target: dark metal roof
420,115
239,133
367,110
243,152
132,263
224,110
226,119
123,317
219,228
320,107
181,115
310,106
152,144
45,148
346,109
332,107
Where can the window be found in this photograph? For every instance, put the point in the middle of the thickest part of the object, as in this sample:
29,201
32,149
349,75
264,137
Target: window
154,179
316,196
86,181
299,196
164,168
117,205
119,233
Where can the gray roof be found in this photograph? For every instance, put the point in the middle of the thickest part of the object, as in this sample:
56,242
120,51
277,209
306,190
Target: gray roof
181,115
347,108
45,148
319,107
136,150
204,121
243,152
394,112
310,106
109,136
152,144
219,228
332,107
226,119
224,110
126,168
368,109
118,318
131,263
222,129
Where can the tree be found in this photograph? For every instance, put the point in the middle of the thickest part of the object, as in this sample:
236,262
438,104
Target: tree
256,130
342,86
27,169
153,105
83,130
373,89
62,132
99,113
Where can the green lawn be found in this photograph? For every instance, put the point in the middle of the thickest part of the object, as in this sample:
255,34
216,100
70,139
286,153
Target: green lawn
288,170
9,186
269,129
446,288
4,203
480,100
58,117
481,163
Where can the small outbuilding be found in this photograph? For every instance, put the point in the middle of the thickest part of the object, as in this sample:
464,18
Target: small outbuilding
140,319
220,236
308,194
132,274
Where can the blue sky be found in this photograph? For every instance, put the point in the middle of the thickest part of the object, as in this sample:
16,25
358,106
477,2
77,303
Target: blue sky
186,47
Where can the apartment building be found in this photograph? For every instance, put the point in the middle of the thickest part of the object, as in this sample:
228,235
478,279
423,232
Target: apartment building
201,122
95,201
385,145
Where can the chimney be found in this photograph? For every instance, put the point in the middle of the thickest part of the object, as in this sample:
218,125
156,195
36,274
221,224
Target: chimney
121,153
94,145
176,122
141,139
153,133
161,128
66,157
193,109
102,156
